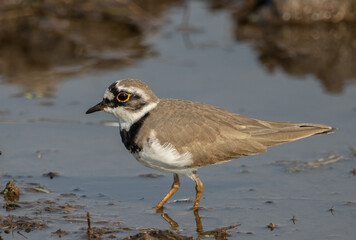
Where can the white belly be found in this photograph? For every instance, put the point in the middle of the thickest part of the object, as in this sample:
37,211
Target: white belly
164,157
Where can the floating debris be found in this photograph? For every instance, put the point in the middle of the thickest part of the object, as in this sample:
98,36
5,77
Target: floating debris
40,189
20,223
32,95
63,209
272,226
158,234
11,192
9,206
331,210
183,200
60,232
68,195
353,171
293,219
247,233
51,175
298,165
218,233
97,233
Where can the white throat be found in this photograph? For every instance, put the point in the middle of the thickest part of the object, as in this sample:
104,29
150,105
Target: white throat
127,118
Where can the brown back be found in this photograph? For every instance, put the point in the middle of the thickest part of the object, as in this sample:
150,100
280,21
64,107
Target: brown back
213,135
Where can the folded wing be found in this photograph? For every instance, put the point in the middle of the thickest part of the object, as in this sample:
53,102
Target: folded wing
213,135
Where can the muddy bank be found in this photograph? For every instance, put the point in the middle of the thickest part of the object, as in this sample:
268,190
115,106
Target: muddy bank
296,11
67,216
300,37
43,42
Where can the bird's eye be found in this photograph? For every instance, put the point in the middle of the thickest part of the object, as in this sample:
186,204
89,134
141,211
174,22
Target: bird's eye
123,97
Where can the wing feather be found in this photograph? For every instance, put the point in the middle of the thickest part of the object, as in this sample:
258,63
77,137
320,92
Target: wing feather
213,135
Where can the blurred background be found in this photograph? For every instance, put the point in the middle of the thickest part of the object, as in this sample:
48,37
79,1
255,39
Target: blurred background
282,60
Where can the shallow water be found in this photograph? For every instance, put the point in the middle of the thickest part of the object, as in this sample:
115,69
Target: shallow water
206,64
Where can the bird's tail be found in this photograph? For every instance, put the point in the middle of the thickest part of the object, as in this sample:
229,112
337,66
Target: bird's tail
282,132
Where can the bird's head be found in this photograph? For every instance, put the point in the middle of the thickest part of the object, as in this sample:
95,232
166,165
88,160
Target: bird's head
128,100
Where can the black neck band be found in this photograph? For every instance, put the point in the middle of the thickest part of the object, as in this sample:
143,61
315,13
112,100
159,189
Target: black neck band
128,137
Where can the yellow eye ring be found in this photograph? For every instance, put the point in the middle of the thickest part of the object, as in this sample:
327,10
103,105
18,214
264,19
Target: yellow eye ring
123,97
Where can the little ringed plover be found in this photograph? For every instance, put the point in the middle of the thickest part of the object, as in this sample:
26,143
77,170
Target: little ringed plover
181,136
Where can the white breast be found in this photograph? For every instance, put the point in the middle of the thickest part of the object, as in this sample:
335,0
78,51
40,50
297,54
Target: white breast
164,157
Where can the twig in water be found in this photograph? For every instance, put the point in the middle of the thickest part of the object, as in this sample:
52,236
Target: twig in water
89,227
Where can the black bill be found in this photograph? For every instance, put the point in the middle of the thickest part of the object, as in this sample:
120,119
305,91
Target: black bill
98,107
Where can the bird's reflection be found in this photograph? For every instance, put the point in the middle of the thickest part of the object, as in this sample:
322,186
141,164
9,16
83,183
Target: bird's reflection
218,233
169,220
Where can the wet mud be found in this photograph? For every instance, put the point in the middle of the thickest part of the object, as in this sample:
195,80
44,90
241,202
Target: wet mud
48,212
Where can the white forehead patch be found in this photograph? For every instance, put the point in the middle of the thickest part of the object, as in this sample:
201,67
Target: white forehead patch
109,95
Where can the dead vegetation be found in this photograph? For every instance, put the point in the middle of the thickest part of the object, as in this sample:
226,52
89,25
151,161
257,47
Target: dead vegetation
11,224
11,192
156,234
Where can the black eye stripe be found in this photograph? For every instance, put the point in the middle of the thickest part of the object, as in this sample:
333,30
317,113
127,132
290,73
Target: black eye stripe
129,104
